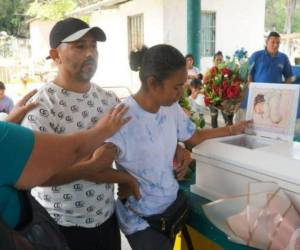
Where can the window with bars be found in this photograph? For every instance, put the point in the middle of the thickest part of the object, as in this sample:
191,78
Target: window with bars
208,33
135,32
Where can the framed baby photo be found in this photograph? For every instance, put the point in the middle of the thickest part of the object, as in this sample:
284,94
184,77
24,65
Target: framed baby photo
273,109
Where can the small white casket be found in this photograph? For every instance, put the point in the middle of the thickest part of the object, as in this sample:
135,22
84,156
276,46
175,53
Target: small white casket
224,166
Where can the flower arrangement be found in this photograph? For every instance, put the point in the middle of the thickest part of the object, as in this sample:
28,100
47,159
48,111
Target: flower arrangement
194,116
226,84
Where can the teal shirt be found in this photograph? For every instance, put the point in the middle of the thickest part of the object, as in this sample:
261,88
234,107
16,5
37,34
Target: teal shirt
16,144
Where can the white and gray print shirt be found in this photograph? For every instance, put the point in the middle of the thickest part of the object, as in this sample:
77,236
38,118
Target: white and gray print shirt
79,203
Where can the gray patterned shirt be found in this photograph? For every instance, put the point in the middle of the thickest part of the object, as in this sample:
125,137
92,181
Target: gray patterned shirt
79,203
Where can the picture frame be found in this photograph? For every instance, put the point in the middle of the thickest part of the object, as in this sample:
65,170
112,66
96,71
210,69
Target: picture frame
273,109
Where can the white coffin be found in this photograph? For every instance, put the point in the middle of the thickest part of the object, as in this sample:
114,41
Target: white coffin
224,166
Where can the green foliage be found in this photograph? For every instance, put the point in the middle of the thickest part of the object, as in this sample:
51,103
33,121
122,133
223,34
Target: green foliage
276,12
56,9
5,49
51,9
195,117
12,18
198,120
6,7
245,68
83,3
15,13
296,22
184,103
275,15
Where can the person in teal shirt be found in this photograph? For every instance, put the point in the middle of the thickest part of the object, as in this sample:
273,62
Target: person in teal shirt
16,144
22,151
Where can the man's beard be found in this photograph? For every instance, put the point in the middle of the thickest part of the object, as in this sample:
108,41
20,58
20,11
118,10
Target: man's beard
87,75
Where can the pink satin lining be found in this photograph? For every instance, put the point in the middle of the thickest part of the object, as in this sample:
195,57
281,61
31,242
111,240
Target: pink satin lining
268,220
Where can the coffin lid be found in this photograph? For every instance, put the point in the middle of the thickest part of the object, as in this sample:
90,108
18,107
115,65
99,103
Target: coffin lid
273,108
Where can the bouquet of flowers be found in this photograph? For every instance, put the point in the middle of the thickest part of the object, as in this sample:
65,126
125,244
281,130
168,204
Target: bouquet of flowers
226,84
194,116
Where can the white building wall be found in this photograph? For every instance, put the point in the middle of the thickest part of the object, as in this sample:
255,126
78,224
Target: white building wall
113,54
39,38
175,24
239,23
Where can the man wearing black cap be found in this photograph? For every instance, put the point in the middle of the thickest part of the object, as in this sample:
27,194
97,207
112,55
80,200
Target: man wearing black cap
83,209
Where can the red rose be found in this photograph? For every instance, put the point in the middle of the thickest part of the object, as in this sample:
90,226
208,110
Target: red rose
226,71
233,91
213,71
236,80
207,100
216,89
206,79
236,84
225,85
221,93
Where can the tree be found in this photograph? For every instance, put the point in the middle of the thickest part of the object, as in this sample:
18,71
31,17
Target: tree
281,17
15,13
12,17
291,7
83,3
51,9
55,9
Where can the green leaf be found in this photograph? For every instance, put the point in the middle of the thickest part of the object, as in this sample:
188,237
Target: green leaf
198,120
244,72
51,9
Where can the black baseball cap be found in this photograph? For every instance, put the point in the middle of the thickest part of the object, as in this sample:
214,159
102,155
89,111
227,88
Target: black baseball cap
72,29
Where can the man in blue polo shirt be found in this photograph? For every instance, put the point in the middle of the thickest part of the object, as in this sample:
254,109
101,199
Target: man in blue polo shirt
268,66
